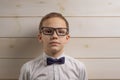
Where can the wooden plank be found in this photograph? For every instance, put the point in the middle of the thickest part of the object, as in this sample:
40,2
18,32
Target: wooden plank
84,48
8,79
96,68
94,48
88,79
10,68
79,27
78,8
102,68
94,26
19,47
16,27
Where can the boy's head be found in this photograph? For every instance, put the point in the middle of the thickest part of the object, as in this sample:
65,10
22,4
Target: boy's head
52,15
53,33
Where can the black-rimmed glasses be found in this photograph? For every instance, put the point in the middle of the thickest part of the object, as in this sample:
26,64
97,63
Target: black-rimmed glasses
50,31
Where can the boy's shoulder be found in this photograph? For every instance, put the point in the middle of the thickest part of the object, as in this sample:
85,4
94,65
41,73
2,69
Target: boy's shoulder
32,62
74,61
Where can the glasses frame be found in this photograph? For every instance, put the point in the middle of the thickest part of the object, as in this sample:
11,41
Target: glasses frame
54,30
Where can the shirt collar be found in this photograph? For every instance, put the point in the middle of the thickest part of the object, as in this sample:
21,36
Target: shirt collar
46,56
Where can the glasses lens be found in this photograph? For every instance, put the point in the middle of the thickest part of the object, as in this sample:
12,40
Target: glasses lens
47,31
61,31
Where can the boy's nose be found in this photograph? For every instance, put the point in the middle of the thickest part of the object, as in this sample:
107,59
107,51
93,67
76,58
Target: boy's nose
54,36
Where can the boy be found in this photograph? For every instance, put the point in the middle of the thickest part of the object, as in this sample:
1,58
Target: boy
53,64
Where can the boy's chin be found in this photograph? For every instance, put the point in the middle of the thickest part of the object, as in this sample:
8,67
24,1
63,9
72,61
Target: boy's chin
55,50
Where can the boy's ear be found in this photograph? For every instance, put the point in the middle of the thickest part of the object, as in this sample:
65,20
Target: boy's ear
68,37
39,37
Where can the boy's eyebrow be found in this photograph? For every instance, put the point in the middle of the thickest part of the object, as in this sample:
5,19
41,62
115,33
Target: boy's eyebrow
54,28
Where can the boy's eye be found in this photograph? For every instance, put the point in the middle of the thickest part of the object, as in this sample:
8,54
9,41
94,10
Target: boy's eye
48,31
61,31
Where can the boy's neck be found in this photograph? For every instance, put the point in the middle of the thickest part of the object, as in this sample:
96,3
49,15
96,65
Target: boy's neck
54,55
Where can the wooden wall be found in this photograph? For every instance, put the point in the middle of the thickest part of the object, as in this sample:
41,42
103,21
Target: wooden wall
94,29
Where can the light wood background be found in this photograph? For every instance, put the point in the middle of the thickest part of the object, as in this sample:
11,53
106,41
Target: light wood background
94,29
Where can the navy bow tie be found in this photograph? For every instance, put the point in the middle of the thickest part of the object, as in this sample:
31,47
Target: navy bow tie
57,61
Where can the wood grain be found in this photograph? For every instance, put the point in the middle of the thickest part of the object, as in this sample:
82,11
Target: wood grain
68,8
85,48
79,27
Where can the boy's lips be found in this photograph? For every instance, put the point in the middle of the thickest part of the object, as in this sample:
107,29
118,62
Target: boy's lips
54,43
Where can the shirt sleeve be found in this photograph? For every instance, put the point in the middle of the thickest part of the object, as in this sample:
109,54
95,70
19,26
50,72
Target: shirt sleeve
24,73
83,73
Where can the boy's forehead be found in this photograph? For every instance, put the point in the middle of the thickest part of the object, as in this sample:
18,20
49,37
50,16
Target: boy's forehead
54,22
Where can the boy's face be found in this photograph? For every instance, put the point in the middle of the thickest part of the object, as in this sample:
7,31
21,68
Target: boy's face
53,43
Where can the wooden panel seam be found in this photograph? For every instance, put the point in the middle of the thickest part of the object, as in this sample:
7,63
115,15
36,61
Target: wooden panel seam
70,37
64,16
88,79
75,58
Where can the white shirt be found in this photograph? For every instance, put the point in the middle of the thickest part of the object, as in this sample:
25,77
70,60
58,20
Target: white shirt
38,69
